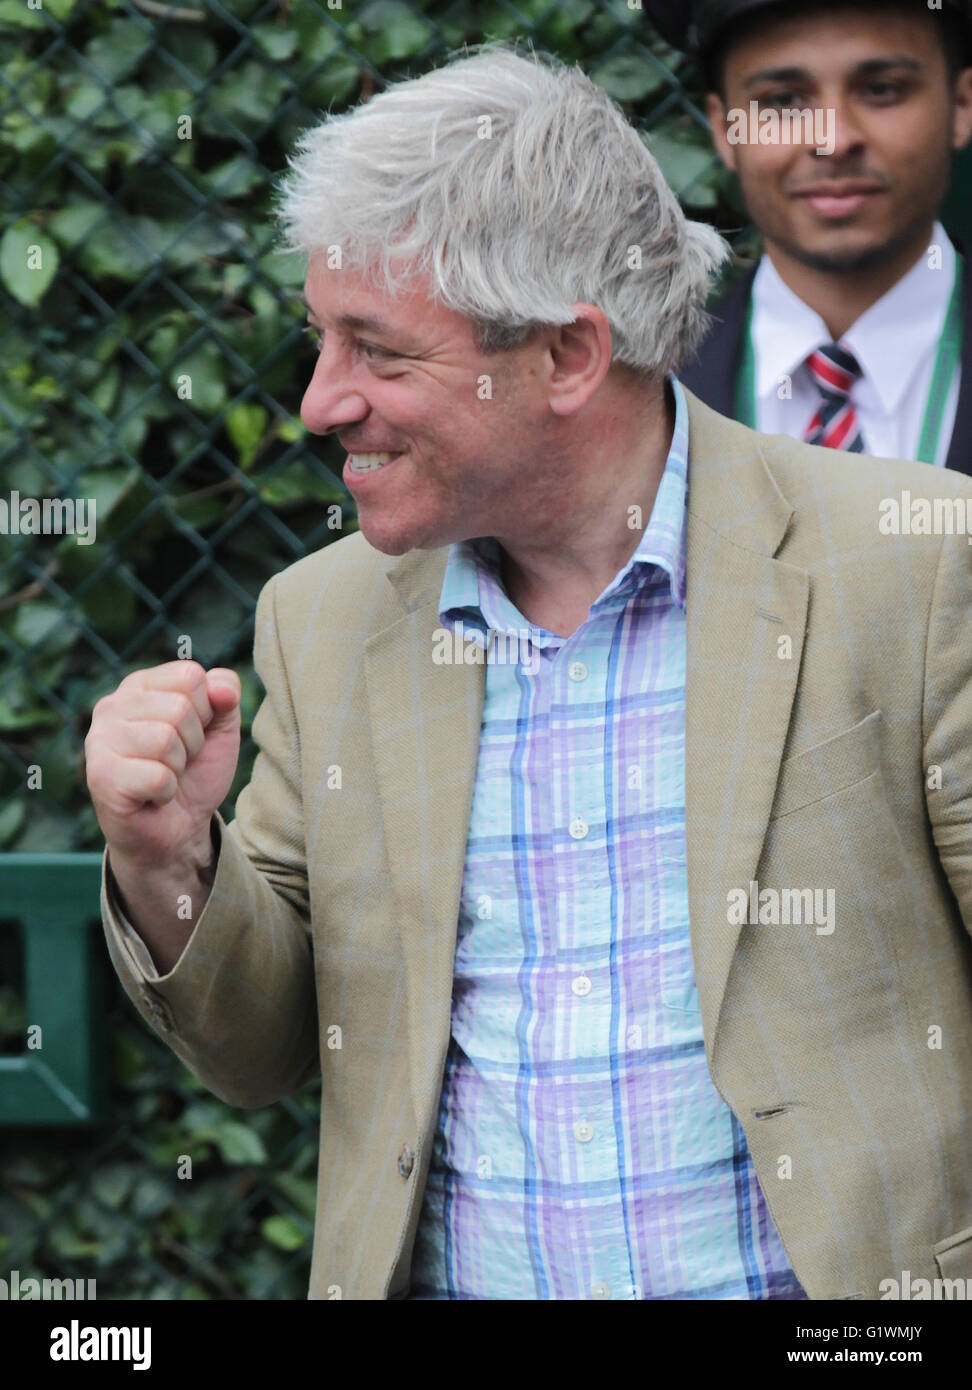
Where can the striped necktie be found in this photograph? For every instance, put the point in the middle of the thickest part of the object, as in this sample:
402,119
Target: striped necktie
835,426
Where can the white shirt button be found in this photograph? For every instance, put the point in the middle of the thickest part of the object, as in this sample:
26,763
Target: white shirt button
583,1131
577,671
581,986
578,828
600,1291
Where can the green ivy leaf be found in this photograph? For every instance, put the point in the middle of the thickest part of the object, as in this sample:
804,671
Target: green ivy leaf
73,224
317,40
273,40
127,105
246,424
208,614
40,1206
12,817
285,268
43,621
106,488
85,99
102,393
27,280
118,250
199,512
234,178
118,49
112,1184
398,31
239,1144
301,1191
206,370
686,166
247,98
152,1196
333,84
298,481
12,717
291,430
14,14
282,1232
64,1241
109,606
31,139
188,47
560,23
627,77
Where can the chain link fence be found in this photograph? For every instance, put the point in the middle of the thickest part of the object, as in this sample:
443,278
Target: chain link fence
151,366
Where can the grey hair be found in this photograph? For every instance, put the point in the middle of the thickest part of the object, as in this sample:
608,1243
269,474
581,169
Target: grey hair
518,187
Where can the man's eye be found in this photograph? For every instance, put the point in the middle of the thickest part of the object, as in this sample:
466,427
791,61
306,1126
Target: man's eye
778,100
316,336
884,91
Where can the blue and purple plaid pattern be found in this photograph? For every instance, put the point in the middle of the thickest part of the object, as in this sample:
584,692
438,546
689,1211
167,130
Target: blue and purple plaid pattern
582,1150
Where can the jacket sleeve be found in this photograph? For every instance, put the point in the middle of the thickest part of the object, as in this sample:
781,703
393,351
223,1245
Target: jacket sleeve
947,715
239,1006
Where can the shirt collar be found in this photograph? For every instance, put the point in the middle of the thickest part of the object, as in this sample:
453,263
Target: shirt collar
471,587
789,330
919,300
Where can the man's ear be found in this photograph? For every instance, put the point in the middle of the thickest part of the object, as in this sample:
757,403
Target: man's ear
962,117
580,355
715,109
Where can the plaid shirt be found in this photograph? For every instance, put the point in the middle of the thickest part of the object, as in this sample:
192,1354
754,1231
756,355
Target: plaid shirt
582,1150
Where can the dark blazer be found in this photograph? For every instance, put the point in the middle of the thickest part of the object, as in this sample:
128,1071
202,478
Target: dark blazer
712,374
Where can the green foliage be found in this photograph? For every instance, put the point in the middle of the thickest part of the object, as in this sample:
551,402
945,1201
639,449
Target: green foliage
28,262
122,1205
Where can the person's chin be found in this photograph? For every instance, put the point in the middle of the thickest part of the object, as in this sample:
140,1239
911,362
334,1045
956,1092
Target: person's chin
839,246
388,542
392,539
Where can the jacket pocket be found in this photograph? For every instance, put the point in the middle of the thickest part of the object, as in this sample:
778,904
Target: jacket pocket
842,761
953,1255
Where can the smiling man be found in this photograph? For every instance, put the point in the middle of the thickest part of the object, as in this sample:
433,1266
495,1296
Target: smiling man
640,970
419,480
855,329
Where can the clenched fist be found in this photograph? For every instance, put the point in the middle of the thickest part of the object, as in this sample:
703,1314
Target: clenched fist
161,754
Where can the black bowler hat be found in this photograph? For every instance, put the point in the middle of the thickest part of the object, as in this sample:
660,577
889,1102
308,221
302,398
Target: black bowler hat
694,26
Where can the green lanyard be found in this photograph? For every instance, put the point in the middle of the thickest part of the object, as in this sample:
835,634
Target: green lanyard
943,373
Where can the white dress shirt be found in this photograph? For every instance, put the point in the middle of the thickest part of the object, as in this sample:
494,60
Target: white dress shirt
895,341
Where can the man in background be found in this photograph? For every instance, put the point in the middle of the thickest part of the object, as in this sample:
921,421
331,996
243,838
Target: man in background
852,330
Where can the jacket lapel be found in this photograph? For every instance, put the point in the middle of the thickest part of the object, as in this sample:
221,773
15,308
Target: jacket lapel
746,619
425,722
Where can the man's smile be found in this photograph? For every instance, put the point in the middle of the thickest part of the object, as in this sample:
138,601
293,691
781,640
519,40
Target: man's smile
838,198
359,465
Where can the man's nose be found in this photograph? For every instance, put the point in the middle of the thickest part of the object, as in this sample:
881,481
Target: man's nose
837,130
330,399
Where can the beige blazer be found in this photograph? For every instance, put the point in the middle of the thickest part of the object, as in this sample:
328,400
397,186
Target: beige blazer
828,746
